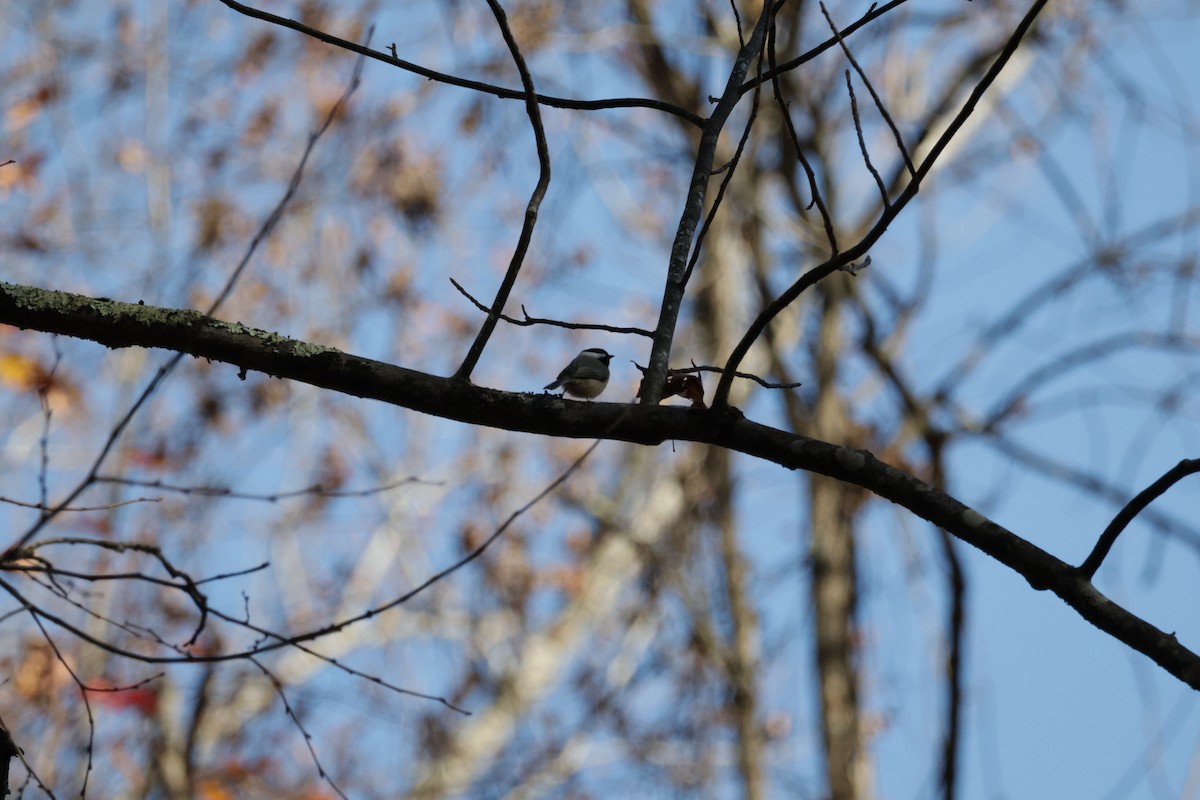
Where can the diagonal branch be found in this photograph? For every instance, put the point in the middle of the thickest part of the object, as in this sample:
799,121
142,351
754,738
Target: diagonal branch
531,208
1189,466
862,142
885,218
693,210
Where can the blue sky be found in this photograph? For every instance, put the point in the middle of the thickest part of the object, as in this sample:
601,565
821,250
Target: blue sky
1055,708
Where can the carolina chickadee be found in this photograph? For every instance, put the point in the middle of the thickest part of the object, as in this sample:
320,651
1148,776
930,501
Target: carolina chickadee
586,375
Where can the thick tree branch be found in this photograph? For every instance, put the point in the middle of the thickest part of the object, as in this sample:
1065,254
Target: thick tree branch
117,324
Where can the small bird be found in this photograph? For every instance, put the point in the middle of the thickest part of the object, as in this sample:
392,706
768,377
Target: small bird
586,375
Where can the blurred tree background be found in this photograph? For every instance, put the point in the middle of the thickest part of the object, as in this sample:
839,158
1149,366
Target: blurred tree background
675,621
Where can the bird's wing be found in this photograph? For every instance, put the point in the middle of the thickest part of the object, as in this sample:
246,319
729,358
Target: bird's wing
589,369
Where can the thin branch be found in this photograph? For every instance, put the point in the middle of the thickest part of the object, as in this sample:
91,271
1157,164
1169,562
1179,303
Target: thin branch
60,509
54,573
87,704
237,573
293,185
794,138
298,640
186,657
51,585
528,320
1166,524
531,208
727,169
291,712
874,95
44,439
1189,466
316,490
457,565
693,210
129,687
188,586
478,86
43,565
862,142
737,18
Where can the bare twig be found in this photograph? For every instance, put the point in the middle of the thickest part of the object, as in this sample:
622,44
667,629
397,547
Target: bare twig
44,439
528,320
60,509
40,565
1189,466
187,585
794,138
862,143
874,95
459,564
128,687
531,208
308,742
737,18
48,580
87,704
277,640
316,490
237,573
